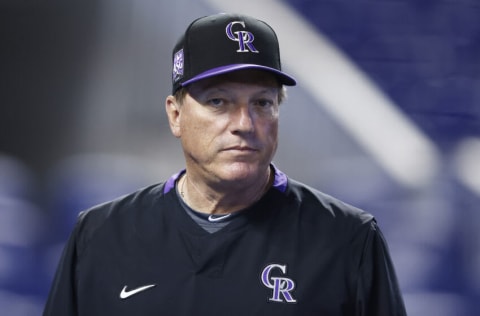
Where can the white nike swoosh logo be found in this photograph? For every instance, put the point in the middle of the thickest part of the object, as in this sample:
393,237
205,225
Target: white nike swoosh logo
217,219
126,294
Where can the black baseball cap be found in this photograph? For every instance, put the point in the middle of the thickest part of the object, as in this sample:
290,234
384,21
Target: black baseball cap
223,43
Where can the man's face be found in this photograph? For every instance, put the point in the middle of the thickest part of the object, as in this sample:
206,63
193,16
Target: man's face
228,126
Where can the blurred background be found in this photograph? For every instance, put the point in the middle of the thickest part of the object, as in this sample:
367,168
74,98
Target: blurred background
386,116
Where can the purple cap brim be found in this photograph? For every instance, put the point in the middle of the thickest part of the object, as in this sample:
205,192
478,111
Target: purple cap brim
284,78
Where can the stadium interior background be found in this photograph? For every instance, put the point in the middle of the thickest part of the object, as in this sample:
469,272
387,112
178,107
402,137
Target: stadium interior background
386,116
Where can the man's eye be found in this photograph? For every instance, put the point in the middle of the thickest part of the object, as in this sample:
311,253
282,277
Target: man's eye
216,101
264,102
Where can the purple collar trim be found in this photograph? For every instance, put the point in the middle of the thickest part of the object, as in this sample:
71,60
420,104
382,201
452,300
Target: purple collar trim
170,184
279,183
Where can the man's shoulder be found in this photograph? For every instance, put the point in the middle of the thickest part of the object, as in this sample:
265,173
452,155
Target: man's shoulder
121,212
126,204
322,206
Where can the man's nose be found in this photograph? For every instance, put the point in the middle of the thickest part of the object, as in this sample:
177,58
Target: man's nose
243,119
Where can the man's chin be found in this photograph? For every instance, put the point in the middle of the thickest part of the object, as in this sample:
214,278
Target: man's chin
243,171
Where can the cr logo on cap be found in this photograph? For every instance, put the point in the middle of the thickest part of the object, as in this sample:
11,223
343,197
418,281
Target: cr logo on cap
244,38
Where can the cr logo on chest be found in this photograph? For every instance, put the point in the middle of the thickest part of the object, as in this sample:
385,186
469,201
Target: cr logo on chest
273,277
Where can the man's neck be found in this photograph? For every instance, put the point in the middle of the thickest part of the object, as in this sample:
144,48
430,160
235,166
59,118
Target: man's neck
205,199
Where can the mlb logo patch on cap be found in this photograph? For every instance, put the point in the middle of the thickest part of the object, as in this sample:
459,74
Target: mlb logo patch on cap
222,43
178,65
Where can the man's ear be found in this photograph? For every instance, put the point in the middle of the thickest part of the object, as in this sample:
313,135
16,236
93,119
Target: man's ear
172,107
